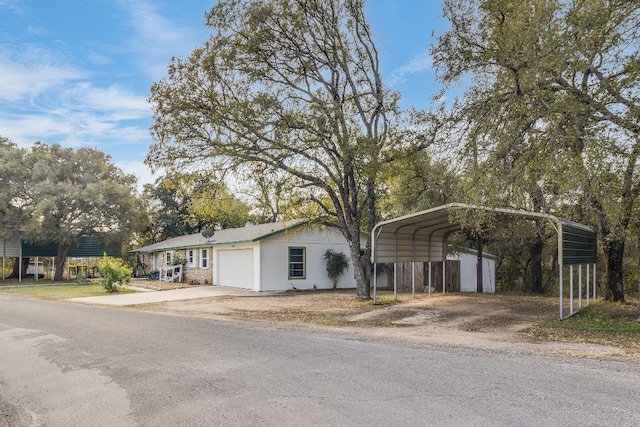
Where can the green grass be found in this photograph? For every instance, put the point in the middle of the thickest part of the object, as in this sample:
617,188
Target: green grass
55,292
604,317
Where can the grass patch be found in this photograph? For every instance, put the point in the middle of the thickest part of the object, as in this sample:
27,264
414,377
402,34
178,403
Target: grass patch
605,317
607,323
58,292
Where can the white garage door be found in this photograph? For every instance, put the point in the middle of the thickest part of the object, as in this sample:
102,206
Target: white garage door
236,268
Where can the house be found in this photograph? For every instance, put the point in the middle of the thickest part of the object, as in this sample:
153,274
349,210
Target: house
276,256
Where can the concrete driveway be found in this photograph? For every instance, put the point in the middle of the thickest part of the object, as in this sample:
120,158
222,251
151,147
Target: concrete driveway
146,296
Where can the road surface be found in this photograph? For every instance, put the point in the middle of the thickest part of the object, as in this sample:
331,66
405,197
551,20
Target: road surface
64,364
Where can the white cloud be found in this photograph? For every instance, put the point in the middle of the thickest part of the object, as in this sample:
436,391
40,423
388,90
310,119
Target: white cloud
157,38
419,63
31,70
12,5
115,99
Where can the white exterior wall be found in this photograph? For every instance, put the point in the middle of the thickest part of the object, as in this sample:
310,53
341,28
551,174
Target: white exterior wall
274,260
468,273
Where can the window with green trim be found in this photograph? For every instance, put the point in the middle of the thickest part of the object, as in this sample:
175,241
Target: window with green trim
297,258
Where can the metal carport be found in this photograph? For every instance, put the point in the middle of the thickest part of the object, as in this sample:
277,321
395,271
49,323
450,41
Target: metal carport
422,237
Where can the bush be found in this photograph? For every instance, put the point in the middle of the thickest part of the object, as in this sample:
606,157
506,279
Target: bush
114,273
337,263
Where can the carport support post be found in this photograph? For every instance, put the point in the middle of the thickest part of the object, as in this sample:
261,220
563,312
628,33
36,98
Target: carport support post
430,271
588,285
395,281
20,264
413,268
413,279
594,282
571,290
580,287
444,274
560,291
375,280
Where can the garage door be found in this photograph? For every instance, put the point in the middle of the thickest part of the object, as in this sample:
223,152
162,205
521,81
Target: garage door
236,268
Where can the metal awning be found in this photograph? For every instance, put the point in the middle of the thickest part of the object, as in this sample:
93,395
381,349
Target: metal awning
422,236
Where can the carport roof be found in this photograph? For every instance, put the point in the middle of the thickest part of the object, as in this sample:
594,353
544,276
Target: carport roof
422,236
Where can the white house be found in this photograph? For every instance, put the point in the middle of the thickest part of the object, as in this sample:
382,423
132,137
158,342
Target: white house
265,257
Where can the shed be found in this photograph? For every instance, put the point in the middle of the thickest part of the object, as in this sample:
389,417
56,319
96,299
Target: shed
277,256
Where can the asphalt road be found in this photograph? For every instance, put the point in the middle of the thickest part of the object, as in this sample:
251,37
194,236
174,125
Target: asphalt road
64,364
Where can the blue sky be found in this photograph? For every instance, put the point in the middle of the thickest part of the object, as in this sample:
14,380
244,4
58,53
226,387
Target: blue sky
78,72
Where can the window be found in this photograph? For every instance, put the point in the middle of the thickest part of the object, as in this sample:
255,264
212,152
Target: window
168,257
297,263
204,258
191,258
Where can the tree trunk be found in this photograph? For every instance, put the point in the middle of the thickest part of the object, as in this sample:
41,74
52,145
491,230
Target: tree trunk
361,267
63,250
536,266
638,244
614,251
15,274
479,248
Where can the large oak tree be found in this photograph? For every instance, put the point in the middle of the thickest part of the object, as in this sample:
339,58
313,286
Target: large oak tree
552,111
68,193
288,85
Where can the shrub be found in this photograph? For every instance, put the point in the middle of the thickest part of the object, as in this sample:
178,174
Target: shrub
114,273
337,263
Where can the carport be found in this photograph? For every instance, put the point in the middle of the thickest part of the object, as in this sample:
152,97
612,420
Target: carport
422,237
86,246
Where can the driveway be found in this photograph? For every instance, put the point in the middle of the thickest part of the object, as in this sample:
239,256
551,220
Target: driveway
148,297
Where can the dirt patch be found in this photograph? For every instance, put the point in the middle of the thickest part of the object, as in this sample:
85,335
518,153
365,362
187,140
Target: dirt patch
506,322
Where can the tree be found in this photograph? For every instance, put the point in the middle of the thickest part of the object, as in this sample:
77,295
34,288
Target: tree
287,85
337,263
186,203
114,273
167,212
71,193
211,205
416,182
553,106
12,186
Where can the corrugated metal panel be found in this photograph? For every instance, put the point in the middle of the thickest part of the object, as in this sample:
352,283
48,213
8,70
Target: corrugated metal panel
421,236
578,244
9,247
87,246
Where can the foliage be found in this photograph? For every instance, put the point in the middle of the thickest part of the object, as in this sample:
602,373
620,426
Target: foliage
58,194
550,118
416,182
337,264
186,203
114,273
291,86
12,186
